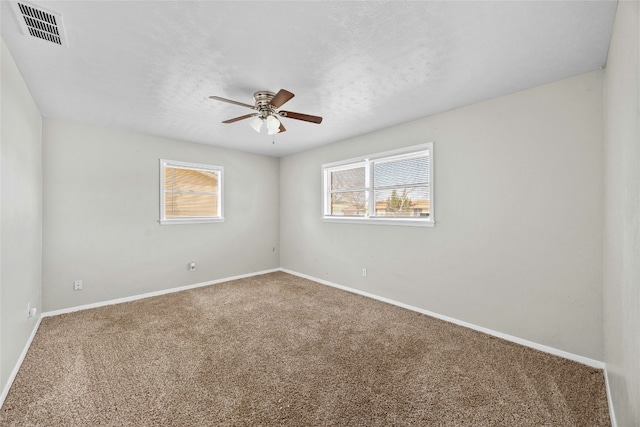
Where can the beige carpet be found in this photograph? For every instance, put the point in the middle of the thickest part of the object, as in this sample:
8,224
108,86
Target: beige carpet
280,350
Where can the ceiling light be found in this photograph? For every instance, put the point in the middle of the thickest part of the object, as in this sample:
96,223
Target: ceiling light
256,124
273,125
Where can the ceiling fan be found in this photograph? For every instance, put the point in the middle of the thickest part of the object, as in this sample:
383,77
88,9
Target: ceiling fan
266,106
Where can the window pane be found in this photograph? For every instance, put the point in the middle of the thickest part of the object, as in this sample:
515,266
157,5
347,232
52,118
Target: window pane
352,203
403,202
348,179
401,172
179,179
181,205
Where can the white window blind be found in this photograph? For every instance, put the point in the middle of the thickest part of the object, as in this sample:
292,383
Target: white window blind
401,186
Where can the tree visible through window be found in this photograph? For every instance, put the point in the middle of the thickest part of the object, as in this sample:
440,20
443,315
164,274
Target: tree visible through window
190,192
348,191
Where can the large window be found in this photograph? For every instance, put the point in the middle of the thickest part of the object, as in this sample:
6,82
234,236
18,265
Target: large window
190,192
394,187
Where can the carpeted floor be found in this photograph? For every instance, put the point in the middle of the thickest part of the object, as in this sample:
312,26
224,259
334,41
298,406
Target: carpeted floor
280,350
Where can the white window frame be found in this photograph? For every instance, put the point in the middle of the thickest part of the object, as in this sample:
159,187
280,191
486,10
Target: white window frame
367,162
195,166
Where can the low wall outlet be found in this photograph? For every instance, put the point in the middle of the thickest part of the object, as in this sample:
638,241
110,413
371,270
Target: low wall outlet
192,266
77,285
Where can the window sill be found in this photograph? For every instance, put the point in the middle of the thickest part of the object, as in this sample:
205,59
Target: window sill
379,221
190,221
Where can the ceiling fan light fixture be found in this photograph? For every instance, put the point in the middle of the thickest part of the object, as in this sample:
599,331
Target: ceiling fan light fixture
256,124
273,125
266,110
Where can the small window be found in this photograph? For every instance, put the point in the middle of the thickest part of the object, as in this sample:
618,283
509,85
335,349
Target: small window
190,193
394,187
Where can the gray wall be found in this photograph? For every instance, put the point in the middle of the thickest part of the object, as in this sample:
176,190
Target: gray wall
20,214
101,211
517,245
622,220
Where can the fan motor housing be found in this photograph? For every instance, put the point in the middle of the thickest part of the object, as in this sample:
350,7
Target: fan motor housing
263,99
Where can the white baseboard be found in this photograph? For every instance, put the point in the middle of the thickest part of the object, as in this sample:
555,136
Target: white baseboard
12,377
612,413
153,294
576,358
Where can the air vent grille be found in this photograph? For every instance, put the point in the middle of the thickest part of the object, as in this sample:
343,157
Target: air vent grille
41,24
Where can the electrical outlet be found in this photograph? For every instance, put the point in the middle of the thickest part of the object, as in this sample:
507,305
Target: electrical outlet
77,285
31,311
364,272
192,266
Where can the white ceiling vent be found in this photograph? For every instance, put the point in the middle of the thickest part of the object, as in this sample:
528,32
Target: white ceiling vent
40,23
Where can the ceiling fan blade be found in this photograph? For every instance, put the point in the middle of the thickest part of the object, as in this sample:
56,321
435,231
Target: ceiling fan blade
240,118
282,128
300,116
242,104
280,98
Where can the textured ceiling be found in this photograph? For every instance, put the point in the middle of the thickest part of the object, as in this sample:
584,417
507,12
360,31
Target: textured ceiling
150,66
